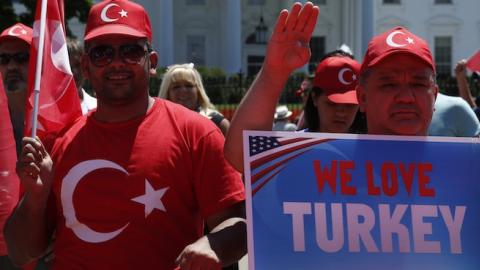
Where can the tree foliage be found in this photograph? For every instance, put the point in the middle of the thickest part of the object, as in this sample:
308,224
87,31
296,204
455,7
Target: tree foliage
73,9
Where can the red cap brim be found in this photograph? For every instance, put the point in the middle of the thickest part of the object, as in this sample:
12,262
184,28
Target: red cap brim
114,29
22,38
385,55
349,97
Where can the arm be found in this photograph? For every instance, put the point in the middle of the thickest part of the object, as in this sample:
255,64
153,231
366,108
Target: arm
224,245
26,232
287,50
462,82
224,126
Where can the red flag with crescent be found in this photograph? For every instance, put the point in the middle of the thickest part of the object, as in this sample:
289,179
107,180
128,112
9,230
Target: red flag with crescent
59,104
9,182
473,63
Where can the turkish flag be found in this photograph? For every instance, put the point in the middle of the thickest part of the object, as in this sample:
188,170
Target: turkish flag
9,182
59,104
473,63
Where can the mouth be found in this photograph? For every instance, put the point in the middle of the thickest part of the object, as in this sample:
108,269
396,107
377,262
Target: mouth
13,77
405,114
339,122
118,76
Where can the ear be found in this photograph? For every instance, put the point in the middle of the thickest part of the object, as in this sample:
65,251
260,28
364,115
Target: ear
436,91
153,63
362,98
84,66
314,98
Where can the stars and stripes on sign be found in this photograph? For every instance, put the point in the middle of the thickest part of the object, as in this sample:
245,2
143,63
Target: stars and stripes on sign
269,155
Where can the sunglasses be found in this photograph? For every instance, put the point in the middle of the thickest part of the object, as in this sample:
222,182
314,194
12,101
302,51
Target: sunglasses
19,58
103,55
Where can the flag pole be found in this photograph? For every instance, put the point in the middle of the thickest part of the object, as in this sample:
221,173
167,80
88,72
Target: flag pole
38,71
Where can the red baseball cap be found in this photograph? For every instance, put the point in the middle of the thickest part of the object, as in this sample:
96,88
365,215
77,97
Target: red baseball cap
338,77
17,31
118,17
396,40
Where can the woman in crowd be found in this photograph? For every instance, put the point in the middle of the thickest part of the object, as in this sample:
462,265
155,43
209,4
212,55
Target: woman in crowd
332,104
182,84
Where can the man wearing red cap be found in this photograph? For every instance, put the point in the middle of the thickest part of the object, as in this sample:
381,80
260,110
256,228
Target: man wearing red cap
396,90
131,185
14,56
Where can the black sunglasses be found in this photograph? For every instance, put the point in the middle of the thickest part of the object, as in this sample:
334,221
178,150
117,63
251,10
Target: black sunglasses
20,58
103,55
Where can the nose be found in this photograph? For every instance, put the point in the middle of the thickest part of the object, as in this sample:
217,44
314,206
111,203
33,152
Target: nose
405,94
12,64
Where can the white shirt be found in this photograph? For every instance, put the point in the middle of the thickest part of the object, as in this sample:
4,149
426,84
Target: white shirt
89,103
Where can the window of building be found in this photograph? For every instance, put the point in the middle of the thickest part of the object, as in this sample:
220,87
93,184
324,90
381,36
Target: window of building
254,64
443,54
317,47
195,2
392,2
256,2
319,2
443,2
196,49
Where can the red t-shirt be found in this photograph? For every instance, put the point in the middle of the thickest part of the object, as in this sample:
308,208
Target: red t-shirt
132,195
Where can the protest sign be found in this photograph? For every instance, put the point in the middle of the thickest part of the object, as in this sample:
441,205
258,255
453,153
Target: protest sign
323,201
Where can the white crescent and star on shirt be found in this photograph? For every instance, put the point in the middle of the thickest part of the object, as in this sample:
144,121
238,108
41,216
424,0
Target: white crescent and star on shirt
394,44
105,18
152,199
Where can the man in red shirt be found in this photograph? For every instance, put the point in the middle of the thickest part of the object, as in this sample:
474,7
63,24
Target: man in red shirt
14,55
131,185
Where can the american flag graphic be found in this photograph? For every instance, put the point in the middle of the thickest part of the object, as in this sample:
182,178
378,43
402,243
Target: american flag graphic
269,155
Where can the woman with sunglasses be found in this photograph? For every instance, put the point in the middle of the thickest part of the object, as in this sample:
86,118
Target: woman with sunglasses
182,84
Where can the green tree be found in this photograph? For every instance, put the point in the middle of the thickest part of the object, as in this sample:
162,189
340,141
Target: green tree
77,8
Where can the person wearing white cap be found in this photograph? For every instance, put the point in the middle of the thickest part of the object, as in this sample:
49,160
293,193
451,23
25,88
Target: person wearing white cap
281,119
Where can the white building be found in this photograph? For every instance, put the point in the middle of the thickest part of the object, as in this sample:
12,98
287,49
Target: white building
229,33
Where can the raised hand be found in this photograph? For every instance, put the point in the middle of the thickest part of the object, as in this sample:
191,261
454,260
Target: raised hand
460,69
288,48
35,168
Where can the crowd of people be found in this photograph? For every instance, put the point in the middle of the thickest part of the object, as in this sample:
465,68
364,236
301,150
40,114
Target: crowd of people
141,182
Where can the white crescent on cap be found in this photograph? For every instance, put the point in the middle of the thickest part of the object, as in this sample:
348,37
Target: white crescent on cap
341,77
69,183
103,14
392,43
11,32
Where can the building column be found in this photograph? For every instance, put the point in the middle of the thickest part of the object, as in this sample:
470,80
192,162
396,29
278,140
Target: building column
165,40
232,58
367,18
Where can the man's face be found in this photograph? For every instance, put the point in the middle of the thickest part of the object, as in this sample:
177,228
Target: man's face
120,80
14,64
398,96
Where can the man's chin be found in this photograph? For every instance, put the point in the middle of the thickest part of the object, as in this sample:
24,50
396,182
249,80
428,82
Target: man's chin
410,130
